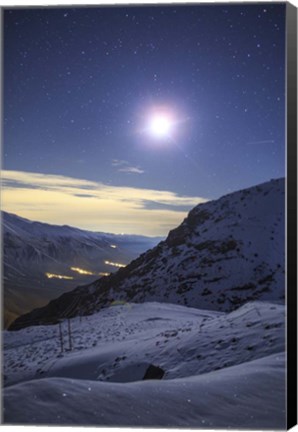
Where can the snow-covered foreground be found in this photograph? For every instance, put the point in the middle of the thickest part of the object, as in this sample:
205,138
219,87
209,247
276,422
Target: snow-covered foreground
221,369
250,395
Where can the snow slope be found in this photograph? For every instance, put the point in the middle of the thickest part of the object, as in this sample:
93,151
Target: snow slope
221,369
181,340
32,249
250,395
225,253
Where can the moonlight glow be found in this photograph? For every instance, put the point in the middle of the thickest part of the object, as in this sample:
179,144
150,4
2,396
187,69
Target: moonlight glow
160,125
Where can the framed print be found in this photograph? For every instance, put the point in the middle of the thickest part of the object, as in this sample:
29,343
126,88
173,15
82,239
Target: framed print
149,215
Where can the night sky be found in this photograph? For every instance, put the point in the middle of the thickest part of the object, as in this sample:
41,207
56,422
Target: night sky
81,89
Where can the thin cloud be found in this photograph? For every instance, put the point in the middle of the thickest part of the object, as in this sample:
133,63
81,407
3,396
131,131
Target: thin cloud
125,167
93,205
131,170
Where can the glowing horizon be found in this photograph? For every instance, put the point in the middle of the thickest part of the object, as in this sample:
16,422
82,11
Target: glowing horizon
93,206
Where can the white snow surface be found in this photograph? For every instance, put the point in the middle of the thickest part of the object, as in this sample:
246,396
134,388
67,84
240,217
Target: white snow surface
249,395
221,369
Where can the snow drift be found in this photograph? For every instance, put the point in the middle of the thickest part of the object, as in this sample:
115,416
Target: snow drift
250,396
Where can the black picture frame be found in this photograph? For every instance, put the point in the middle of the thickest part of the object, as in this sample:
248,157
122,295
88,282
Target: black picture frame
291,26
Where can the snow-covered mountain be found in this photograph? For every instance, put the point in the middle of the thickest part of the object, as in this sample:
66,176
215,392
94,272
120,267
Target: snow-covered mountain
218,370
225,253
42,261
131,355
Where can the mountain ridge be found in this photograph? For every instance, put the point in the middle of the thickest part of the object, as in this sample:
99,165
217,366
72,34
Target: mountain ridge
36,255
226,252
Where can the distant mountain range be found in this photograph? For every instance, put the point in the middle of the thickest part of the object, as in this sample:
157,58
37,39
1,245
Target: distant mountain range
225,253
42,261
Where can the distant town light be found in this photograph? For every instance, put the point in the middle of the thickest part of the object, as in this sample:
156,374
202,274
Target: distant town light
115,264
81,271
56,276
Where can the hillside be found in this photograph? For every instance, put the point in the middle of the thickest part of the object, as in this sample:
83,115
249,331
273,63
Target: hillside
225,253
42,261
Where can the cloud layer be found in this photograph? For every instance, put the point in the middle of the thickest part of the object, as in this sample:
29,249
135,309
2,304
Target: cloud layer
93,205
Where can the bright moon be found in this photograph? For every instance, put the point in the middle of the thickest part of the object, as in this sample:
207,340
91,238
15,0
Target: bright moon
160,125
